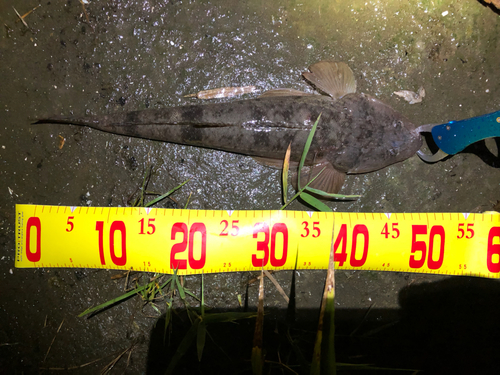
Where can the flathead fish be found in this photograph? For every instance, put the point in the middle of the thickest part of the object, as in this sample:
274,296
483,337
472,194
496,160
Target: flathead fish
356,134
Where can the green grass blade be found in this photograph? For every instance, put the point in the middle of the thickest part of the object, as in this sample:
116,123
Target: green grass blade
306,149
180,288
301,165
302,190
200,339
156,200
168,319
167,282
191,294
324,352
202,297
352,366
115,300
228,317
187,202
330,195
314,202
183,347
257,361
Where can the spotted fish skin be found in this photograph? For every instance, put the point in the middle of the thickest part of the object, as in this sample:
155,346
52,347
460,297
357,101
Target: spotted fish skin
356,133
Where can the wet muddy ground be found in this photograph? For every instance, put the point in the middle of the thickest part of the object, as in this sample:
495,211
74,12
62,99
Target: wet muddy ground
129,55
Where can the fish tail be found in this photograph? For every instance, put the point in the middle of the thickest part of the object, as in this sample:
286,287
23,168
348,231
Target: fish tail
185,125
195,115
63,120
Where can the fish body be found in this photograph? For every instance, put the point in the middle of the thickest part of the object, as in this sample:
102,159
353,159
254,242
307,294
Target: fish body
356,133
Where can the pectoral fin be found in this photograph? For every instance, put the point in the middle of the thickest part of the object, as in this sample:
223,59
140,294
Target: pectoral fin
284,92
334,78
329,180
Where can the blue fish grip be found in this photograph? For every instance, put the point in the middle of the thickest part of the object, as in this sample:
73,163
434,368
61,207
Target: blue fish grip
454,136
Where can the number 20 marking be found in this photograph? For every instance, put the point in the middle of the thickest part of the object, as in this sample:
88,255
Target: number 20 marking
180,247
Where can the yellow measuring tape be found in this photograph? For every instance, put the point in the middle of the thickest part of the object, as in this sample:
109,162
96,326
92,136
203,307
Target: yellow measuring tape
196,241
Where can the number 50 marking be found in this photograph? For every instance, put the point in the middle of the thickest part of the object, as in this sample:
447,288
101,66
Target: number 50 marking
420,246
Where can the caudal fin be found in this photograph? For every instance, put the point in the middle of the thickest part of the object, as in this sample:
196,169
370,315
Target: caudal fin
61,120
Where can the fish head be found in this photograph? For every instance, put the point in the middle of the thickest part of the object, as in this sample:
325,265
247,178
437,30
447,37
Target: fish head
383,136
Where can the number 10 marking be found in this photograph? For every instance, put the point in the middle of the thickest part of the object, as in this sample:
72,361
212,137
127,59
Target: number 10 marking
115,226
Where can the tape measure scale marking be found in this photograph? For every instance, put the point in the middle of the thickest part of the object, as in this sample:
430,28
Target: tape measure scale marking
195,241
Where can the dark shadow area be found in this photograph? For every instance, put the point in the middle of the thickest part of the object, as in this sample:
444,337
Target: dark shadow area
447,327
481,150
490,5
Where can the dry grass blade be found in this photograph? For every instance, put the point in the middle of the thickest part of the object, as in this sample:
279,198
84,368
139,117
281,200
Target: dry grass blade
50,346
286,166
222,92
277,285
284,366
255,279
107,369
257,359
70,367
21,18
85,11
120,275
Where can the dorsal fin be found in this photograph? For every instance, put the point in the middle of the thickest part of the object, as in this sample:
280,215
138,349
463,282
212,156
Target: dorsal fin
334,78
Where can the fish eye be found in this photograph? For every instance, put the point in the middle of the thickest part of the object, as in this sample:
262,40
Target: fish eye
398,123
